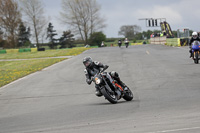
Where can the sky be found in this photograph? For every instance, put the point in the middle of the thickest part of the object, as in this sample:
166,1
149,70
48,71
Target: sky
178,13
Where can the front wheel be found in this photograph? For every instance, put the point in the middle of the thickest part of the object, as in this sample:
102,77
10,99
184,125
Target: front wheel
110,96
128,96
197,57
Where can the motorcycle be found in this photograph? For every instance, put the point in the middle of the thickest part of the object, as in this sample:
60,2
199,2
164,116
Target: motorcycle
195,51
127,43
120,44
110,88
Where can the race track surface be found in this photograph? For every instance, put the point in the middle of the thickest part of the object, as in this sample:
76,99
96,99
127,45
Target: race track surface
164,81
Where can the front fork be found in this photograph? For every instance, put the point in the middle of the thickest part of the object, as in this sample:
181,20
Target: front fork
193,54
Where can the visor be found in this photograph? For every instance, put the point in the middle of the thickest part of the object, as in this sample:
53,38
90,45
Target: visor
195,36
87,63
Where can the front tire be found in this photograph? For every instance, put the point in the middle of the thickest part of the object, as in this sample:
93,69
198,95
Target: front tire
112,98
128,96
196,58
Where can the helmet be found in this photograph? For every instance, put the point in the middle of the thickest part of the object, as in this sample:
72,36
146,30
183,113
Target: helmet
194,35
87,61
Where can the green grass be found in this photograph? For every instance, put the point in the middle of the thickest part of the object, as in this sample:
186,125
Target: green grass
41,54
12,70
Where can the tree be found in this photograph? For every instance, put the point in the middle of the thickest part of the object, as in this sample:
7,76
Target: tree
174,33
129,31
66,40
33,10
50,34
24,35
96,38
83,16
1,35
1,38
10,19
147,33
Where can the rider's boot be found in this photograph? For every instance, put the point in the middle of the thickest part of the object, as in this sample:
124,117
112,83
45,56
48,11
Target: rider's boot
121,83
97,92
190,51
191,55
115,75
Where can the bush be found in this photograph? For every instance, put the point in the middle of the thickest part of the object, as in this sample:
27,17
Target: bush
97,38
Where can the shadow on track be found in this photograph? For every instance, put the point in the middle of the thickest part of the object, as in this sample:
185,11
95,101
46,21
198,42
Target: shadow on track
108,103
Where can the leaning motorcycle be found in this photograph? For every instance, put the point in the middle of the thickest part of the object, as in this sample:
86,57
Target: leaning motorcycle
110,89
195,51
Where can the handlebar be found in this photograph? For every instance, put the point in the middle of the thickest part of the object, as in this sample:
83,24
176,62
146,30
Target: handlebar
106,67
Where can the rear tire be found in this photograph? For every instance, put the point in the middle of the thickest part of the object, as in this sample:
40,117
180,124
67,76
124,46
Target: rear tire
112,98
128,96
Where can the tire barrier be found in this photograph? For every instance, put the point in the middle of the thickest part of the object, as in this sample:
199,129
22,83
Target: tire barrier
25,50
4,51
41,49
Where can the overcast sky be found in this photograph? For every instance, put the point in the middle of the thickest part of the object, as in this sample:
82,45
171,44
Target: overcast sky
178,13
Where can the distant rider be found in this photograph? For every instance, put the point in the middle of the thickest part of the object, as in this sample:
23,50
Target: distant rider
193,38
126,41
91,68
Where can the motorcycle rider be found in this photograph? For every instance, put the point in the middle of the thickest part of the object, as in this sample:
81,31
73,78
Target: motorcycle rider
193,38
126,41
93,67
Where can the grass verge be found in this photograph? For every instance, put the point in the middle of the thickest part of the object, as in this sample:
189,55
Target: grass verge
12,70
41,54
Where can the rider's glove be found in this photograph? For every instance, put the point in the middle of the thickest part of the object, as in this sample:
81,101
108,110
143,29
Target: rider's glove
89,81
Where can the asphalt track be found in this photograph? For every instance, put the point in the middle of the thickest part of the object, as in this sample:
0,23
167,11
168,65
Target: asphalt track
165,83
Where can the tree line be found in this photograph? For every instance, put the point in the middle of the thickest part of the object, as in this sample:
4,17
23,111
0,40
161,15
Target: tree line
24,20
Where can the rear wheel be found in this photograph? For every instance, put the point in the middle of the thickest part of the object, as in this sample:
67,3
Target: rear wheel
128,96
110,96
